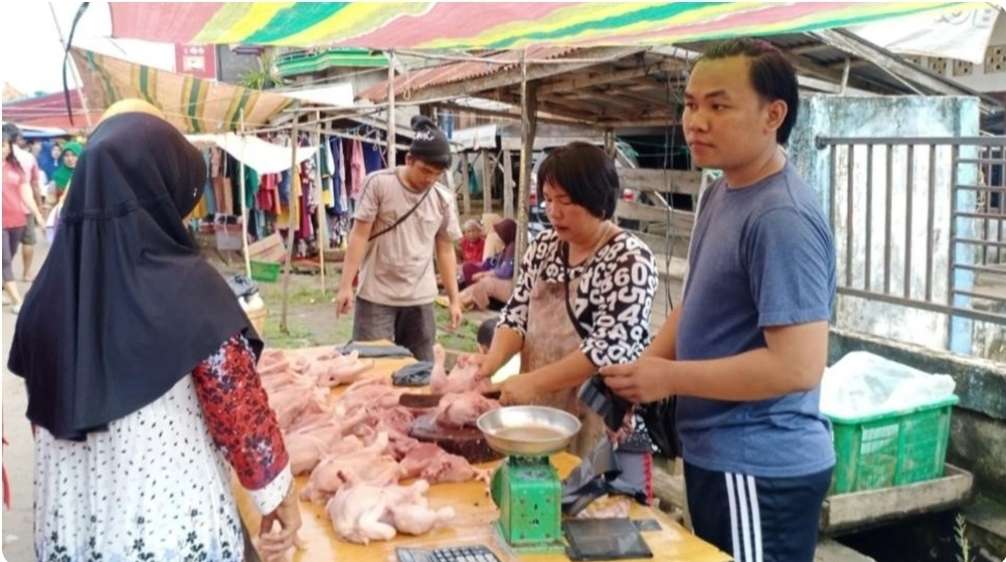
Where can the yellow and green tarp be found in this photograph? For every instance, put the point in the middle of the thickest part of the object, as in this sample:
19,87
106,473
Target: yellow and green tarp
487,25
192,104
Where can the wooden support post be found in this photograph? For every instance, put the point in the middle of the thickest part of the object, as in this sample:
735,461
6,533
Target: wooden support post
507,185
528,126
392,138
466,196
322,232
452,186
244,204
291,226
609,142
488,173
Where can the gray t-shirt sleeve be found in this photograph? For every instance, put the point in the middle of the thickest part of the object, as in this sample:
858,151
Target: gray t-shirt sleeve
790,269
450,228
369,203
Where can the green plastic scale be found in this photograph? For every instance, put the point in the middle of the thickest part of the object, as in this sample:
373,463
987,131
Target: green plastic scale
526,487
528,493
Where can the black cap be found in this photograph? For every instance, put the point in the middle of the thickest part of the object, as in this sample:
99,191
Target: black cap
429,144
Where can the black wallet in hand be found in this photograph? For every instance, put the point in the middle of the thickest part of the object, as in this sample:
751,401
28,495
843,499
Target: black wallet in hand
598,397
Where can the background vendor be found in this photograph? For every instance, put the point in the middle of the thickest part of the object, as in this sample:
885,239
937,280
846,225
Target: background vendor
585,269
404,216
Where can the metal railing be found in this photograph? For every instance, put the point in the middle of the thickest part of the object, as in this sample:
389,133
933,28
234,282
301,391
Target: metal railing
934,209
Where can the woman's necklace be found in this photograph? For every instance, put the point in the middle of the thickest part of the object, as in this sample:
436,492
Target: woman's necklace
598,242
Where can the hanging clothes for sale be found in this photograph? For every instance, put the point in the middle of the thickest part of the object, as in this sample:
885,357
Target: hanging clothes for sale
285,209
267,198
339,202
222,184
305,228
373,158
328,174
338,228
252,183
347,156
216,155
284,187
474,183
202,208
357,168
234,180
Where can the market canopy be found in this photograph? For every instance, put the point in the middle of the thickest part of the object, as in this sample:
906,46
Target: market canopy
191,104
49,112
262,156
493,25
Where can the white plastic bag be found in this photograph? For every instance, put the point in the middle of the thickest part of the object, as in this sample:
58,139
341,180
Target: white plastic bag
863,384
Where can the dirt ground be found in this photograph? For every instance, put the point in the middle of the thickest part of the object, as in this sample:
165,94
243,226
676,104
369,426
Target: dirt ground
311,317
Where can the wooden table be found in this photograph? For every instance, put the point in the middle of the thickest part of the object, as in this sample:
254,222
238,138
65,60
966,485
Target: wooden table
474,521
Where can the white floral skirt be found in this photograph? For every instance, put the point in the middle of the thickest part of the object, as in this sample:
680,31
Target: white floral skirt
153,487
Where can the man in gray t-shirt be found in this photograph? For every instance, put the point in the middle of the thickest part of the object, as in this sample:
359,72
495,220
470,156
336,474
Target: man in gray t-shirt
745,351
403,218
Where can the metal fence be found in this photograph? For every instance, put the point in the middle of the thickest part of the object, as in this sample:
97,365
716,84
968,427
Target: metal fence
919,222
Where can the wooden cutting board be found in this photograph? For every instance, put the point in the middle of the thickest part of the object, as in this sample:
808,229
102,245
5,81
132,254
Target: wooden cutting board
467,442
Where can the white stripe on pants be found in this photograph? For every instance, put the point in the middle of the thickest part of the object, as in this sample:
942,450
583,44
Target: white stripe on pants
745,517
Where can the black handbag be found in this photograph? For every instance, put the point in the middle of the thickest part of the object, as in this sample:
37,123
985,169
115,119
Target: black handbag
658,417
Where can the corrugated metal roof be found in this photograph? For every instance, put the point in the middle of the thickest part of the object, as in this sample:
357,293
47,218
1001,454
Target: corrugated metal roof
453,72
49,111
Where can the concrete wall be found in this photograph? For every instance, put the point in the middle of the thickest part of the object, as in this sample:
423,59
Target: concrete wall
901,116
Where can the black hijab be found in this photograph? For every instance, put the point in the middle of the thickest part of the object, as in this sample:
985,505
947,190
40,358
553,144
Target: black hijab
124,306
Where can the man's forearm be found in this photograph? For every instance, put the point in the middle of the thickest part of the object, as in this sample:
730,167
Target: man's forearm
664,345
758,374
354,256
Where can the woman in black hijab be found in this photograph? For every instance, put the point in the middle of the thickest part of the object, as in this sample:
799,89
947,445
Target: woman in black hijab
140,368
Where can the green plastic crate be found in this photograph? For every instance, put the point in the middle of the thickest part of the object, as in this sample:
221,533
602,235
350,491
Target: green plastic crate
891,449
265,271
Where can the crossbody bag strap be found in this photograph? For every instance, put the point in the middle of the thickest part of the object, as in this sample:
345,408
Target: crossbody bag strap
402,218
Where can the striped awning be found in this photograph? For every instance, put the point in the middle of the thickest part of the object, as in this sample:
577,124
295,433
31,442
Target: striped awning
492,25
191,104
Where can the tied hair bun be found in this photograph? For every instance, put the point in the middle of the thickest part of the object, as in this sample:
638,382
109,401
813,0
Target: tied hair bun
422,122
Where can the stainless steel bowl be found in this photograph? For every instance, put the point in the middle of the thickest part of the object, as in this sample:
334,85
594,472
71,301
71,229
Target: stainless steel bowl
528,430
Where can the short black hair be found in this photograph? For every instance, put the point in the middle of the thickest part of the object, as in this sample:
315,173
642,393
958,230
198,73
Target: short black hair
487,329
586,173
772,75
435,161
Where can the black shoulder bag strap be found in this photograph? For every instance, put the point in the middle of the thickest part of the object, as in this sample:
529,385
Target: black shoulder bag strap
594,393
402,218
580,330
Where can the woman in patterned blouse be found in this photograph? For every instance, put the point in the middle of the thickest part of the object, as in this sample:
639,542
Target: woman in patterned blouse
140,368
585,269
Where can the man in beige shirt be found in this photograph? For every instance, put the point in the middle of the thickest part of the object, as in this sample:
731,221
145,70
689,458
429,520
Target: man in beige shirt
403,217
